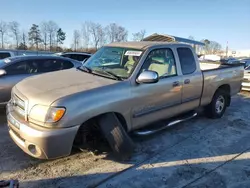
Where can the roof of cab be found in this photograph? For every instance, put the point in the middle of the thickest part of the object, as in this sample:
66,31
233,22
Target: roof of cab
142,45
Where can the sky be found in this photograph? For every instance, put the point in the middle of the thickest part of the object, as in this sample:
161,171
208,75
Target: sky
217,20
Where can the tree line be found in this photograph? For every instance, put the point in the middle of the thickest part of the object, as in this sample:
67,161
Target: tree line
95,35
210,47
49,36
45,36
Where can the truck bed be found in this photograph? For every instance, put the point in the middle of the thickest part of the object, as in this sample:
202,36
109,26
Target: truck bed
216,75
206,66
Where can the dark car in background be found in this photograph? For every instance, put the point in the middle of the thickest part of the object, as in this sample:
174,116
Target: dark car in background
245,61
79,56
11,53
15,69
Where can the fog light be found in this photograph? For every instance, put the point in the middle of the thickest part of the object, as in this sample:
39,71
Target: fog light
34,150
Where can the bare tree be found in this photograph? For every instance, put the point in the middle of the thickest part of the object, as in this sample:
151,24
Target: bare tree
76,39
23,44
44,33
52,31
86,34
116,33
3,31
14,29
98,34
139,35
102,36
211,47
214,47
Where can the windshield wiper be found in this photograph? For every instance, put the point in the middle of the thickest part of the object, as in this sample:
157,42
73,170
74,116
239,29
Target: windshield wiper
110,74
85,69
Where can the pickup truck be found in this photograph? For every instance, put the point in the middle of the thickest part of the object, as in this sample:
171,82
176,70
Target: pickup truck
121,89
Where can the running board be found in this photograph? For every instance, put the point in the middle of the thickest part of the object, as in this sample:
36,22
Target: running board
145,132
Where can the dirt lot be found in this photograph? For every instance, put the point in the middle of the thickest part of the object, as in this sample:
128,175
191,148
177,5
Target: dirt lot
198,153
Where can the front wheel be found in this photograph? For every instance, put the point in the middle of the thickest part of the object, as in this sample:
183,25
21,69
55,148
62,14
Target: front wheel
217,106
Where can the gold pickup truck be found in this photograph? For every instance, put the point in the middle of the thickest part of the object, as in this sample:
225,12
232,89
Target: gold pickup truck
122,88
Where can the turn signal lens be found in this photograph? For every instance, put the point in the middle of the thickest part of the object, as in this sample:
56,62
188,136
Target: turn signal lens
55,114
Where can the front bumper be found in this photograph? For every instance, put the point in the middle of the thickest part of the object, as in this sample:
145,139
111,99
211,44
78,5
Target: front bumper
37,141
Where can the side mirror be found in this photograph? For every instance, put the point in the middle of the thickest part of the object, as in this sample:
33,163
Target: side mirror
2,72
148,77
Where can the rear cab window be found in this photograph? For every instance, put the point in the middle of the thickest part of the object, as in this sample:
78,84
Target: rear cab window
187,60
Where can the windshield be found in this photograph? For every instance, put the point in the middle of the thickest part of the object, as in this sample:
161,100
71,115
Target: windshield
116,61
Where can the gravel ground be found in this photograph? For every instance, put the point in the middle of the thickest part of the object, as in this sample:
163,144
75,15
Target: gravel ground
198,153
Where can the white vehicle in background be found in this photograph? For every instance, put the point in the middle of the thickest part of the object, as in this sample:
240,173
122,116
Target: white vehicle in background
246,80
79,56
210,57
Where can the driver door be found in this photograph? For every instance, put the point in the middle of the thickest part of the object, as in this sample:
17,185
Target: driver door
161,100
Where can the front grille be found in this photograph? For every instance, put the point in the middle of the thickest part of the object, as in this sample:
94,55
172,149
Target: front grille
17,134
18,105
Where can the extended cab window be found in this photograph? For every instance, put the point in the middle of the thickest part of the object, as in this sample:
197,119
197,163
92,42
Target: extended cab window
161,61
187,61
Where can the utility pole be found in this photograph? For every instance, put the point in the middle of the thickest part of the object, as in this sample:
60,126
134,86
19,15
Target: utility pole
227,49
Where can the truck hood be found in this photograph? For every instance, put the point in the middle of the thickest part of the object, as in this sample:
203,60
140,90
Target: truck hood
46,88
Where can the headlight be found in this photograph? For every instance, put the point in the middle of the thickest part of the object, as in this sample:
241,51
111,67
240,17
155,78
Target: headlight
46,114
38,114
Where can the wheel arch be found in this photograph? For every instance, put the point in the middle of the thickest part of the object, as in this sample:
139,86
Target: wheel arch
227,89
119,116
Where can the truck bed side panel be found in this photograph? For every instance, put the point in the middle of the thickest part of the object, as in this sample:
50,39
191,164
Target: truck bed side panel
213,79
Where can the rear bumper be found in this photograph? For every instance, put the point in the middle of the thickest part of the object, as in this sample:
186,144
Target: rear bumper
245,86
40,142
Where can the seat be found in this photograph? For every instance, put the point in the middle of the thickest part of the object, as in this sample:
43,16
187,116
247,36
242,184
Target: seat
161,69
130,63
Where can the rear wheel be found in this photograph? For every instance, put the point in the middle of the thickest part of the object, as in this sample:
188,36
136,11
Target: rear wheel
218,105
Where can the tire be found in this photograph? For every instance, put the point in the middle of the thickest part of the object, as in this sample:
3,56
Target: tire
118,139
218,105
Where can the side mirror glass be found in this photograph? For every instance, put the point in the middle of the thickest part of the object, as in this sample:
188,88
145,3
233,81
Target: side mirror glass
148,77
2,72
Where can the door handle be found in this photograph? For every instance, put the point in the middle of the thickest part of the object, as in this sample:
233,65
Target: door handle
175,84
187,81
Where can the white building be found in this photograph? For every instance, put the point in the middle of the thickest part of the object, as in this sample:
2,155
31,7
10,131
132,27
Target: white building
238,53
